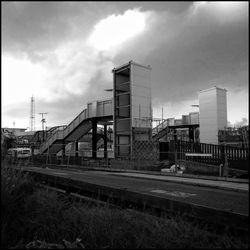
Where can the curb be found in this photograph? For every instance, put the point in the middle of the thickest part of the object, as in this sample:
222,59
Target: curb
201,177
151,178
193,184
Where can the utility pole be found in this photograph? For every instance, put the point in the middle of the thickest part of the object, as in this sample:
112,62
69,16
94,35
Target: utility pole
43,121
32,114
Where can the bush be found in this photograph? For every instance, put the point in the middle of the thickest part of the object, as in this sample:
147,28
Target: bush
15,187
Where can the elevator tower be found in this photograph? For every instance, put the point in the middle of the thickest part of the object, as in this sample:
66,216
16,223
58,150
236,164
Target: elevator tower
132,107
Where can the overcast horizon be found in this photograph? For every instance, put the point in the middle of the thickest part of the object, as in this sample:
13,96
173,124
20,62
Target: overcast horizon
62,53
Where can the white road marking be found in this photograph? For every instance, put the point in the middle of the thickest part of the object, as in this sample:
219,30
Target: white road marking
173,193
158,191
60,173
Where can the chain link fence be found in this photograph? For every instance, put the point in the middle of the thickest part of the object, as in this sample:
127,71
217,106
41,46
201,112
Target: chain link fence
146,156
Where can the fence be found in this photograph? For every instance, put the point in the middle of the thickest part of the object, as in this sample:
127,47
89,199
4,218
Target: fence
237,158
148,155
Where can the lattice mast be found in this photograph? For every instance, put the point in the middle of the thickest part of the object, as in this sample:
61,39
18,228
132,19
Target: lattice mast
32,114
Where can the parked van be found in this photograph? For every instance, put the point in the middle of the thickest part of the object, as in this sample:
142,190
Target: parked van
19,153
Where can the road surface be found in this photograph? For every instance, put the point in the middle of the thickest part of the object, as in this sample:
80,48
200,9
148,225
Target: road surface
226,200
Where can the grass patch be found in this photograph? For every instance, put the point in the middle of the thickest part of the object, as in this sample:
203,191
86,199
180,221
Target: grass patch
31,213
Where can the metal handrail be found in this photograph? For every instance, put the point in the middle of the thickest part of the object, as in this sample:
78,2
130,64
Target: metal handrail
160,127
74,123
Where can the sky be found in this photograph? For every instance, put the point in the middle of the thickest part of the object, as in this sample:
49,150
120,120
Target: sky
63,53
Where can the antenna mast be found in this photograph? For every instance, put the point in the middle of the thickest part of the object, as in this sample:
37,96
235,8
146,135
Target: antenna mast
32,114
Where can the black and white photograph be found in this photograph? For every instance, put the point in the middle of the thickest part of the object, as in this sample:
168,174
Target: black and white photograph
125,125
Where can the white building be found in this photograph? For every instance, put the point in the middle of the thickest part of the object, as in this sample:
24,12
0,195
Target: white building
213,113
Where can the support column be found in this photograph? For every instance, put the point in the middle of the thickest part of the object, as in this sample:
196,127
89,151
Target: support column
94,138
105,142
175,135
63,152
76,149
191,134
76,153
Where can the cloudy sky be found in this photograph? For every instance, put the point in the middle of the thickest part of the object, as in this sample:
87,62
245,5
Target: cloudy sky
62,53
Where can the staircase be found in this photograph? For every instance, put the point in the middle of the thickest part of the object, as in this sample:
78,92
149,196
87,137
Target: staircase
78,127
160,130
61,132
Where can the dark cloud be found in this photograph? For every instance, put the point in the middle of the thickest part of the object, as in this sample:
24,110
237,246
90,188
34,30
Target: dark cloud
187,55
187,51
31,28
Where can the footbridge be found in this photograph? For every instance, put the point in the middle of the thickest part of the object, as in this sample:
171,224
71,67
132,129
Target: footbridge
97,112
129,111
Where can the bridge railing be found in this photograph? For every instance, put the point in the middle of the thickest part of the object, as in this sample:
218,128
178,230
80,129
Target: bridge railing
56,134
81,117
55,131
159,127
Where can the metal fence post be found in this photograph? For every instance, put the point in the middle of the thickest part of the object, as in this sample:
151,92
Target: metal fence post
225,169
175,159
220,169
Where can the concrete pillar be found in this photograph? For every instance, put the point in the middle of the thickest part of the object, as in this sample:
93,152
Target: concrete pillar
105,142
94,138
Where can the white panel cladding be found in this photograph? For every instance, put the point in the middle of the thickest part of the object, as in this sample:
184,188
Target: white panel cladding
141,109
108,108
208,116
104,108
170,121
91,106
222,108
138,90
185,119
213,114
194,118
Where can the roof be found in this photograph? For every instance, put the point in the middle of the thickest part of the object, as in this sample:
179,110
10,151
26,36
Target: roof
215,87
131,62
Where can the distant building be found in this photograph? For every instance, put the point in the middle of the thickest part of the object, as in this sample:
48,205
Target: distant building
15,131
237,137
